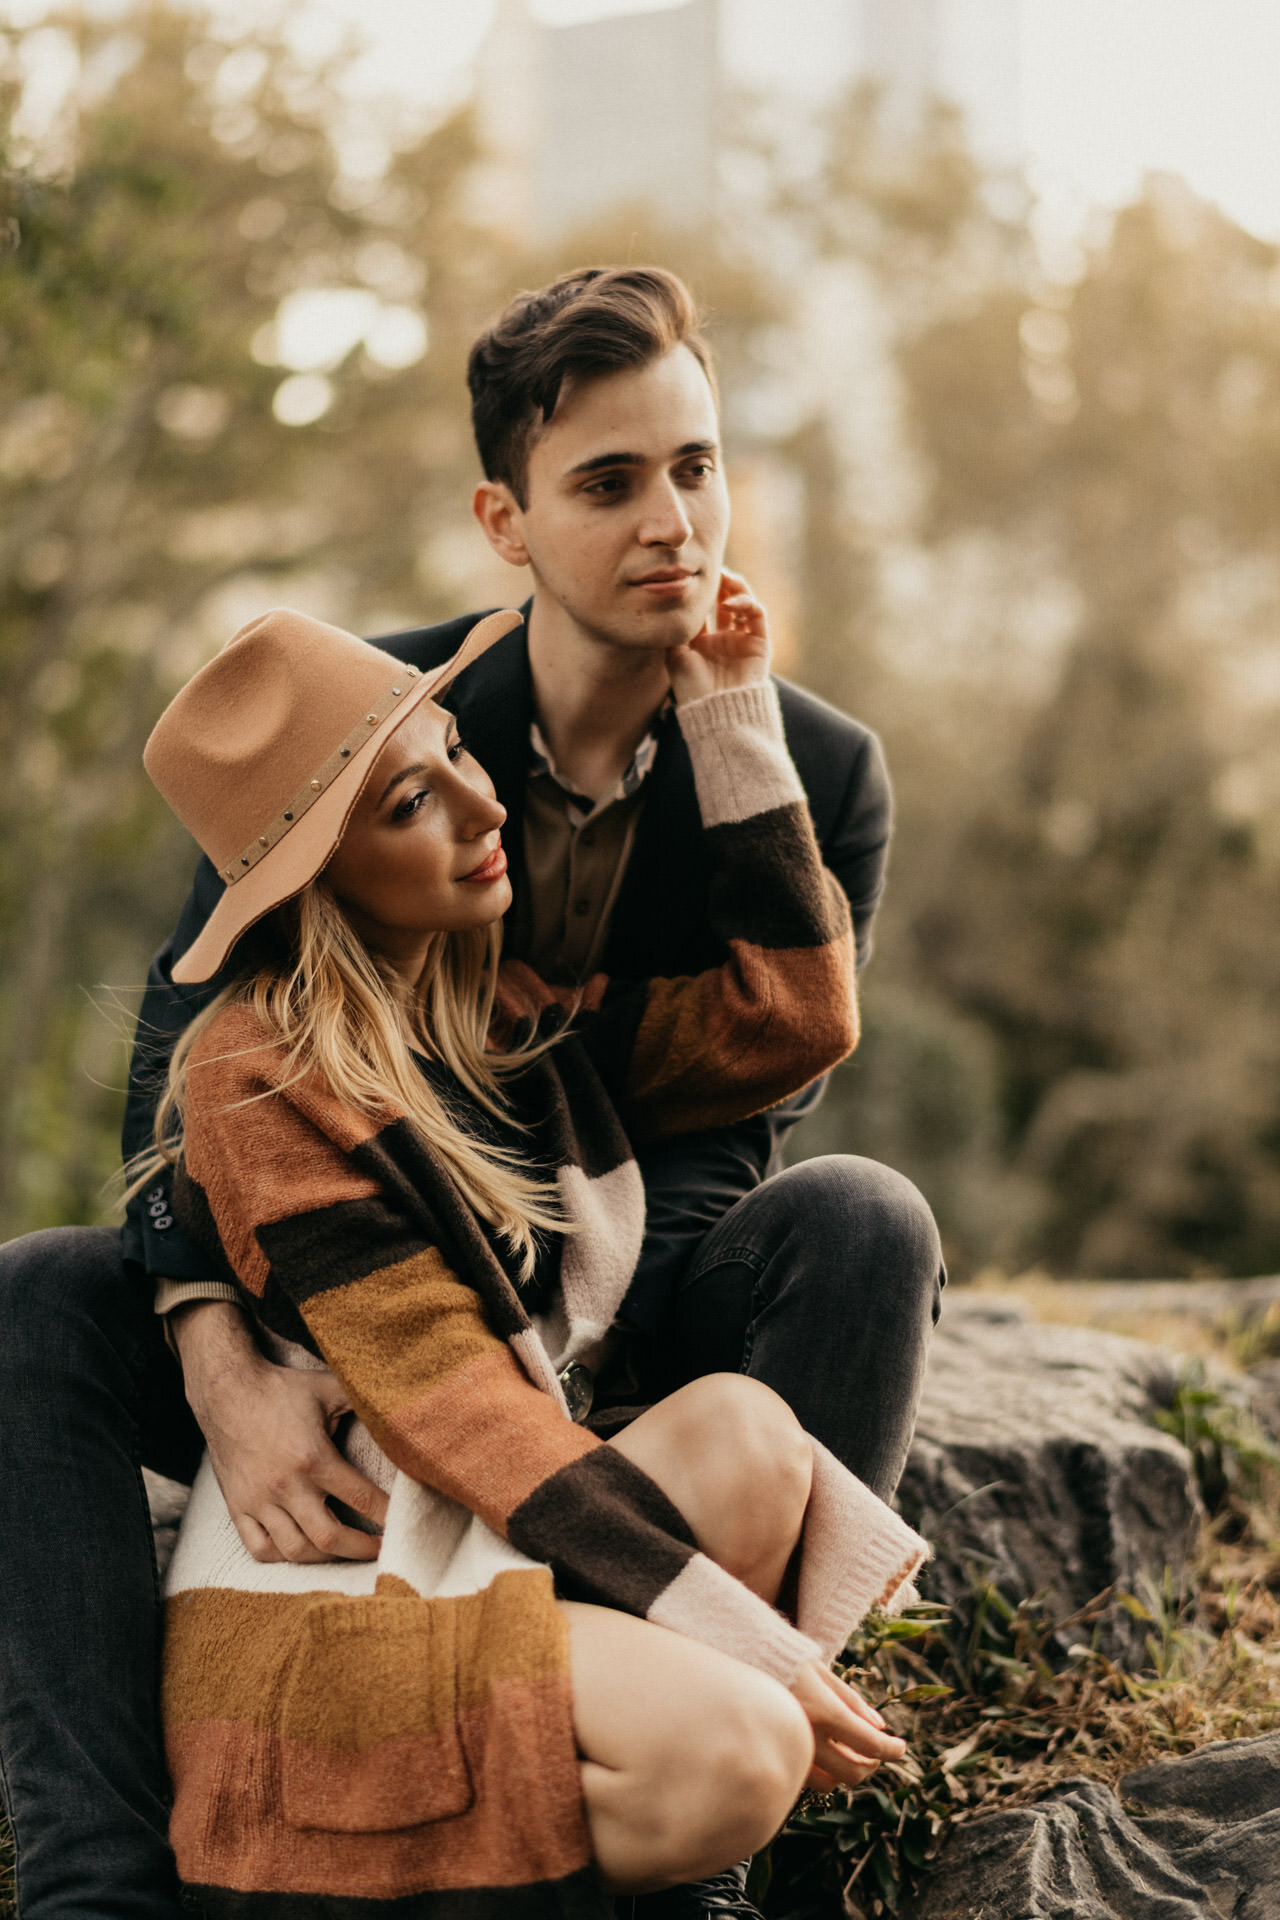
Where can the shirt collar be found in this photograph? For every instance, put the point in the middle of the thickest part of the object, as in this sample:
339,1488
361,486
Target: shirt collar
633,777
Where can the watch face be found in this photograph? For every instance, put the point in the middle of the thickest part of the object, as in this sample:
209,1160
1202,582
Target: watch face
579,1390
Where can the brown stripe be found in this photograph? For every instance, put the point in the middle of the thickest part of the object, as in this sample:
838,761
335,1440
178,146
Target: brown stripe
710,1050
771,888
526,1821
338,1244
609,1530
575,1896
484,1436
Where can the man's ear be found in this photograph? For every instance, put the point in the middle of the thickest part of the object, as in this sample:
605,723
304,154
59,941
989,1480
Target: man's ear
498,511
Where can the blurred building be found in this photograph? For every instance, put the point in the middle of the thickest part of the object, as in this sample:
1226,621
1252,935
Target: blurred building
965,51
616,112
622,111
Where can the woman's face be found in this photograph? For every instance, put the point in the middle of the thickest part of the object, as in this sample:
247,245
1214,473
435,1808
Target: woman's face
422,853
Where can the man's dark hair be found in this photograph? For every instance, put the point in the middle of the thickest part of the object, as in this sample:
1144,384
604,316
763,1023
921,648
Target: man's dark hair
591,322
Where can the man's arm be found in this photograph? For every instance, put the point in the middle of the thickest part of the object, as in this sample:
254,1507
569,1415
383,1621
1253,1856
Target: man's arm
269,1431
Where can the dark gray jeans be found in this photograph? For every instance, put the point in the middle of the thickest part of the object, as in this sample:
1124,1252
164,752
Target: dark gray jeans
822,1281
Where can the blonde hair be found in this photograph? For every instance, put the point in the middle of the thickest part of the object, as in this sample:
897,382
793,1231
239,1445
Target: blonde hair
343,1014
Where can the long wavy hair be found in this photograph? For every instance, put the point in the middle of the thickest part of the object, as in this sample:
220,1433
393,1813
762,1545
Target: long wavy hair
344,1014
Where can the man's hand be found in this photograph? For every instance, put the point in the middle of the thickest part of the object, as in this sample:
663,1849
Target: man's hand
850,1738
269,1433
731,651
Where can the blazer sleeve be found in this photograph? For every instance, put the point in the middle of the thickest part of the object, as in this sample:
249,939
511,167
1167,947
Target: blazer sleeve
294,1187
700,1050
153,1235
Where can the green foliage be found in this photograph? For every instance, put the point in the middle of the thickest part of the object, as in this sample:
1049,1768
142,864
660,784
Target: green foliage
992,1717
1233,1454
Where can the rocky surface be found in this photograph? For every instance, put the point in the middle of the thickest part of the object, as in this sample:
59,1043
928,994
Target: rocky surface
1036,1464
1191,1839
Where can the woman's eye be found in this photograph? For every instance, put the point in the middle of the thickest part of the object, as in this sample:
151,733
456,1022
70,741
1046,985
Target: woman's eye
457,748
410,804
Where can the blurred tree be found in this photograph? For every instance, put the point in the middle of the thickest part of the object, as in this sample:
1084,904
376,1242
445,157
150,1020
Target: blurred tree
1114,928
174,453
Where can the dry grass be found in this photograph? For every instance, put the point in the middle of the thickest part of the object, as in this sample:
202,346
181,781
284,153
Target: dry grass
992,1720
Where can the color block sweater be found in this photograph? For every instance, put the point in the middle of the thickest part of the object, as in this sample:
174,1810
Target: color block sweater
367,1731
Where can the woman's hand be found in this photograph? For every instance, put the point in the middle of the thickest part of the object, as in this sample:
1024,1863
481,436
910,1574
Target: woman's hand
731,651
850,1738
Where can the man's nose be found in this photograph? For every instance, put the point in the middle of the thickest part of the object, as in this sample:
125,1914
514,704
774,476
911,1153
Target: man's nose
666,522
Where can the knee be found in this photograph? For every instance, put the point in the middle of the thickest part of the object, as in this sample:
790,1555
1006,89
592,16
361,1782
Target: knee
57,1289
759,1761
728,1787
878,1218
745,1436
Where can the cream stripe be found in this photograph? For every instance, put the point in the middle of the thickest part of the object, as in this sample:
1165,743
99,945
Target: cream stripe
867,1554
705,1603
741,766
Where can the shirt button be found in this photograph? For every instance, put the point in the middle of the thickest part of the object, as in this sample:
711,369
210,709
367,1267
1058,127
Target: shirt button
588,837
582,908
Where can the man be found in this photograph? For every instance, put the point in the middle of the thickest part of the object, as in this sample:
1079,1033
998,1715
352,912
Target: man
596,420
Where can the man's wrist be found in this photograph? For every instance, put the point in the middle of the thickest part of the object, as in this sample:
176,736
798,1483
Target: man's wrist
212,1339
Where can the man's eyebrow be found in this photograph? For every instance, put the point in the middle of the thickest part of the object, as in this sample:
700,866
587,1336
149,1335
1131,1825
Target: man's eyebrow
599,461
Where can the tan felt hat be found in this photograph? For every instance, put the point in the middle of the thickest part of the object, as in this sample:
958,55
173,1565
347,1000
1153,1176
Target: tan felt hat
264,753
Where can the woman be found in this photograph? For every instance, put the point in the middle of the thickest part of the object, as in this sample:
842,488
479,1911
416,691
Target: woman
565,1675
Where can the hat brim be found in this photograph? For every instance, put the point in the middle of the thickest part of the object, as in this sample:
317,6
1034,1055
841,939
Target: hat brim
306,849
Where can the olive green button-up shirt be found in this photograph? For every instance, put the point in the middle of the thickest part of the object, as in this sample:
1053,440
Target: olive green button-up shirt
575,856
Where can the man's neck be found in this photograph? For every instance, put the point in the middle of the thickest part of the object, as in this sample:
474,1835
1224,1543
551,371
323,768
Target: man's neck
594,702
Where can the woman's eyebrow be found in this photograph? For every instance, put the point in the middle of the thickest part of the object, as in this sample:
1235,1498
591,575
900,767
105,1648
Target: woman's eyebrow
419,766
405,773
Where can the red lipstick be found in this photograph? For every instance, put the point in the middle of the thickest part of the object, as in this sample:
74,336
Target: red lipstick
492,867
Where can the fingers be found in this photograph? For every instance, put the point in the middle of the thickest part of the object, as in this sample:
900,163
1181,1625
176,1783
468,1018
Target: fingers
307,1536
341,1481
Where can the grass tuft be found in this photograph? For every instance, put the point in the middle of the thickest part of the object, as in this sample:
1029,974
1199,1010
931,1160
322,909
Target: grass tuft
996,1715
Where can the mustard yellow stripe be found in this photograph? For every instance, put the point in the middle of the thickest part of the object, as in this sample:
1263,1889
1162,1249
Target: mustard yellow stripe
352,1672
400,1330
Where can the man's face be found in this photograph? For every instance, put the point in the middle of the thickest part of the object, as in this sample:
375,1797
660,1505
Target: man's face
627,510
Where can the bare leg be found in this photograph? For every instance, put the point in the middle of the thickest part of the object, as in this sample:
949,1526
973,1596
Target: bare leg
692,1759
731,1455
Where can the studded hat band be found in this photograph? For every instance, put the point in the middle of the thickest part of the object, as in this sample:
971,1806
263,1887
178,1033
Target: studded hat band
307,796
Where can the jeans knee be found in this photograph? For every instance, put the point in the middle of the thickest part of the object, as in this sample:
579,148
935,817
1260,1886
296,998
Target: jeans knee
58,1289
879,1217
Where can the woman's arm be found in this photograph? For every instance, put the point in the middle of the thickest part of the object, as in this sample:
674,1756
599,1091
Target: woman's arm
684,1054
316,1215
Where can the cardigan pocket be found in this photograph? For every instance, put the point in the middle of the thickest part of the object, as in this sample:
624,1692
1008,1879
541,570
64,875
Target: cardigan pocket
369,1725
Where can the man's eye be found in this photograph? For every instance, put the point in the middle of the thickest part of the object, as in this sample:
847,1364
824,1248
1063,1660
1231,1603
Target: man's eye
609,485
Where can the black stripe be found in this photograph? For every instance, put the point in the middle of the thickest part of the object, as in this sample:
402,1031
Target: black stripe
313,1252
576,1897
610,1533
755,896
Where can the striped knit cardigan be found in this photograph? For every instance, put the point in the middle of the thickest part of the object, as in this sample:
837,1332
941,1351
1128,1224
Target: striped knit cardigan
397,1736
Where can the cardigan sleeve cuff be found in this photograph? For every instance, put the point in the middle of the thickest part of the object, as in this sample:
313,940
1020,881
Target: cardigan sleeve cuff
741,766
857,1554
705,1603
184,1293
